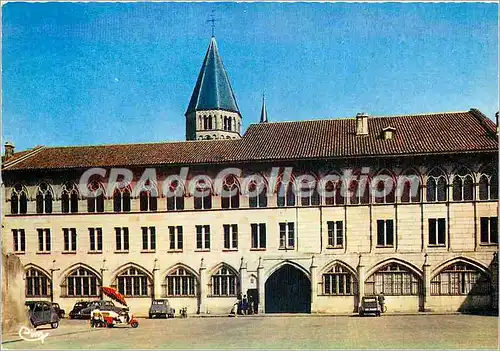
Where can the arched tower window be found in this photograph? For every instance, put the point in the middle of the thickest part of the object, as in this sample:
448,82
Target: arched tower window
37,283
44,197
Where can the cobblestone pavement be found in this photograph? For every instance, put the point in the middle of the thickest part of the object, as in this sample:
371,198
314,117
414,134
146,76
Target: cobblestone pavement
284,332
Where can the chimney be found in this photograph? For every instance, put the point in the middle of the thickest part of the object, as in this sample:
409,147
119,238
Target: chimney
362,123
9,150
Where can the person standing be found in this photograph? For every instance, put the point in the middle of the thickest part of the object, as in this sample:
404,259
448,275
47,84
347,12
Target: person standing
381,301
244,304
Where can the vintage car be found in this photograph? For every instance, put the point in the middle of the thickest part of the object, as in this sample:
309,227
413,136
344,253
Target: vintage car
59,310
161,308
103,305
75,312
41,313
369,305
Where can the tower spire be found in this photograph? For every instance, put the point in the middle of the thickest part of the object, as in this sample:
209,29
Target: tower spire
263,113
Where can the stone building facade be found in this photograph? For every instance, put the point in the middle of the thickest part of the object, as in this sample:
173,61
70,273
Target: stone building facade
288,249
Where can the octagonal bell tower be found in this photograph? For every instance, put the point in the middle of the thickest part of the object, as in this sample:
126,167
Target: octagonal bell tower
213,112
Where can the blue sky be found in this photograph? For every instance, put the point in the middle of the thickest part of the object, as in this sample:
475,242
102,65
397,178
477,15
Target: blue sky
101,73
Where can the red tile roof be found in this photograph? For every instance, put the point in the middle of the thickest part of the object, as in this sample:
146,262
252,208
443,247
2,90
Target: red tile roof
439,133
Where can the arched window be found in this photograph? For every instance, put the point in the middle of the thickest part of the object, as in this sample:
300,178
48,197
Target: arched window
436,187
463,187
409,187
230,195
488,187
133,282
44,198
175,196
338,280
309,195
148,198
19,200
224,282
203,196
257,194
37,283
180,282
95,197
393,279
333,193
82,282
121,200
359,188
461,278
285,194
69,198
383,189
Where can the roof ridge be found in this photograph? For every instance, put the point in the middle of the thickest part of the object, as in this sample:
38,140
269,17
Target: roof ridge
29,154
369,117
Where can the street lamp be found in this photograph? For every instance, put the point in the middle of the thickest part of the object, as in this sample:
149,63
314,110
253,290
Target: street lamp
155,268
52,270
102,269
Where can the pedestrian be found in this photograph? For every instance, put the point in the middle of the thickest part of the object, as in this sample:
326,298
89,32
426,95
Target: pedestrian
381,301
251,307
239,308
244,304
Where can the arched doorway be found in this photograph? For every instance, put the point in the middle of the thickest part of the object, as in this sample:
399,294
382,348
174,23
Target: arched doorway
288,290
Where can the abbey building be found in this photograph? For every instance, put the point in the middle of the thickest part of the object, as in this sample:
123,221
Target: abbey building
405,205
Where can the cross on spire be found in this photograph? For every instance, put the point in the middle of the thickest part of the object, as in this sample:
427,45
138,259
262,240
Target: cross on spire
212,20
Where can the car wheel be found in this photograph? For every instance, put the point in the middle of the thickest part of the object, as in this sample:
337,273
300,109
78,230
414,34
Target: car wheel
150,316
134,324
54,325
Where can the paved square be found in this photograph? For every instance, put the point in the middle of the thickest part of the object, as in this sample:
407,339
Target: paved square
303,332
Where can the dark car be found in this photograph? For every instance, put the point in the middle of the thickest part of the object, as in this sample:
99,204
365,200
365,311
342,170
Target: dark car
59,310
103,305
41,313
369,305
75,312
161,308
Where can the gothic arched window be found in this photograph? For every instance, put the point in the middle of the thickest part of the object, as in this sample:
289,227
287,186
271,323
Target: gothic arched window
285,194
69,198
309,195
338,280
19,200
148,197
463,187
410,187
488,186
95,197
82,282
44,198
436,187
203,196
384,189
37,283
133,282
257,194
224,282
180,282
175,196
121,200
461,278
393,279
230,195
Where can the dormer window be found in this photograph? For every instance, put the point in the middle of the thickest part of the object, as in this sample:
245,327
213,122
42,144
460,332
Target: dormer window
388,133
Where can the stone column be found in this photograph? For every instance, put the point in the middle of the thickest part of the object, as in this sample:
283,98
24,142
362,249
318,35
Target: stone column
314,284
361,280
243,277
56,287
426,280
261,282
156,280
203,288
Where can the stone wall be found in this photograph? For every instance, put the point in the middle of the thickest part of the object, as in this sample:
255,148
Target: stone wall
13,311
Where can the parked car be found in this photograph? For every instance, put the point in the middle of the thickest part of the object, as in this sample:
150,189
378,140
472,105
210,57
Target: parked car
369,305
75,312
161,308
59,310
41,313
104,305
